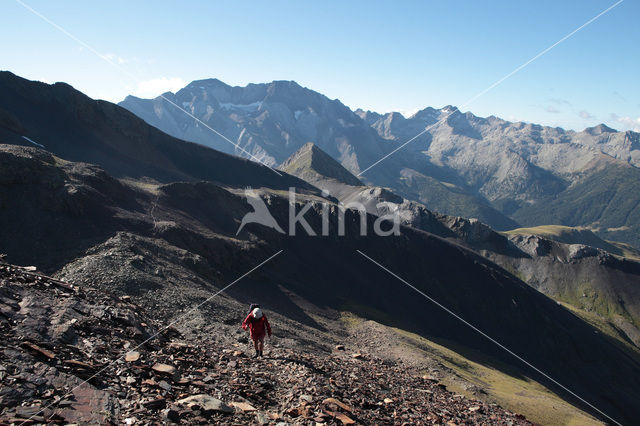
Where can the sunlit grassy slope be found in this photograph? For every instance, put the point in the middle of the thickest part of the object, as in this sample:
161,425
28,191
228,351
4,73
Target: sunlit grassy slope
523,396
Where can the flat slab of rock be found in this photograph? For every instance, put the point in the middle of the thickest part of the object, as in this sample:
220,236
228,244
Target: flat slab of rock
132,356
243,406
78,364
206,403
155,404
28,412
164,369
91,406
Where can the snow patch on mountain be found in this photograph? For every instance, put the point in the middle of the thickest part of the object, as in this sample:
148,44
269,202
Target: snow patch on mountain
254,106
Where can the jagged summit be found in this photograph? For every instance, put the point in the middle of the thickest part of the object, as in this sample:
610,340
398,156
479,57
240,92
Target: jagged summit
599,129
367,116
208,82
311,164
424,113
449,109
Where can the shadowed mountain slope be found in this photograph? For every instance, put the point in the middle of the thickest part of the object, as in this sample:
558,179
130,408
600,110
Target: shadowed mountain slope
193,225
170,244
571,265
169,378
77,128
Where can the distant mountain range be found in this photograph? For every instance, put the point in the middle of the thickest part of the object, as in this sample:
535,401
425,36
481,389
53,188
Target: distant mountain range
272,121
505,174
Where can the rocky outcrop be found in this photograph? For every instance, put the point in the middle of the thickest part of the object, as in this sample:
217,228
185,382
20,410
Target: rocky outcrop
310,163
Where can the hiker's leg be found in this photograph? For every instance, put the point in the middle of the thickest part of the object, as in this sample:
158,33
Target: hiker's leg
261,345
256,345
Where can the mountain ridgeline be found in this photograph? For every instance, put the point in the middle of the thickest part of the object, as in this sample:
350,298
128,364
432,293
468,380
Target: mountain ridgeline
75,127
505,174
272,121
154,219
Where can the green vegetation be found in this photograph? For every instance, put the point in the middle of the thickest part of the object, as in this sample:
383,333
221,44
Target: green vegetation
520,395
546,230
607,199
143,185
349,320
585,296
59,162
353,313
626,250
450,199
464,369
605,326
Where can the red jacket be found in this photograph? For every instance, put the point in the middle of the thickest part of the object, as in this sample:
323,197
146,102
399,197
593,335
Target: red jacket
257,327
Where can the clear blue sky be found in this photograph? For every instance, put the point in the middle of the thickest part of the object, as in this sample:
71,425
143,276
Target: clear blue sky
383,56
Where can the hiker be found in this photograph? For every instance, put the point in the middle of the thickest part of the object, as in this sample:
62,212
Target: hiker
258,326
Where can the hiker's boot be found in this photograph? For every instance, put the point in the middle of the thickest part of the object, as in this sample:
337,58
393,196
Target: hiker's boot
260,354
257,354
